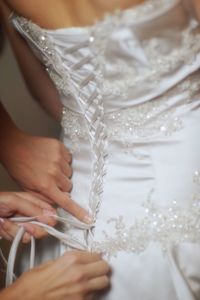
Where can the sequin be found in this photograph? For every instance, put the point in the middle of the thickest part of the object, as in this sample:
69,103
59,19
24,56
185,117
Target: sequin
154,118
167,226
128,74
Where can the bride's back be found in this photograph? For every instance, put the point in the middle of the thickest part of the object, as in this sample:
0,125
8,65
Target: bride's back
61,13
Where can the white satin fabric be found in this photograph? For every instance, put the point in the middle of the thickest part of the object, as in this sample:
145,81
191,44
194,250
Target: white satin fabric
130,87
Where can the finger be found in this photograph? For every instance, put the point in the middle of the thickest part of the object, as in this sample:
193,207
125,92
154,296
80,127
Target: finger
12,229
48,212
48,219
64,201
26,208
82,257
35,230
43,197
96,269
66,169
26,238
37,199
66,154
99,283
64,183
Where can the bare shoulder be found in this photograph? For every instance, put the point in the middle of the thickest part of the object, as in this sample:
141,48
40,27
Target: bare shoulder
196,4
21,6
46,13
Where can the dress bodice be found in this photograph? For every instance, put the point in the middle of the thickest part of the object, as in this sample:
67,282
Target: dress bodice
155,43
128,58
131,82
119,78
131,56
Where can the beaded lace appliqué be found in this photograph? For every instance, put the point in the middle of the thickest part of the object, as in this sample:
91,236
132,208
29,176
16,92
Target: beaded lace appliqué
153,118
128,73
159,63
94,117
164,225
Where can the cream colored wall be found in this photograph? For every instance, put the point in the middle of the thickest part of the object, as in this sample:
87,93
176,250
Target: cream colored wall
26,113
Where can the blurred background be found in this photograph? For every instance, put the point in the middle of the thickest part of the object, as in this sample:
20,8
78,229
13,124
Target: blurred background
24,111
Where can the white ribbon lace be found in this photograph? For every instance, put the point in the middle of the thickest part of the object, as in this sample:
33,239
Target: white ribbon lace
67,240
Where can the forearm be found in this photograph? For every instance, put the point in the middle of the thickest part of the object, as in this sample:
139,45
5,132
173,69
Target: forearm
8,132
38,82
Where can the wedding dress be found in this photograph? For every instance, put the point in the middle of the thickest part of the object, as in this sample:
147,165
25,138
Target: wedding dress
130,88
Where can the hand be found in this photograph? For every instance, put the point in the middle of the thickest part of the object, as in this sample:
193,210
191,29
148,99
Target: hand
43,165
25,204
74,276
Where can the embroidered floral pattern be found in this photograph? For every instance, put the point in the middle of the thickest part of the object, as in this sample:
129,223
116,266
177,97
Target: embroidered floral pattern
152,118
164,225
159,62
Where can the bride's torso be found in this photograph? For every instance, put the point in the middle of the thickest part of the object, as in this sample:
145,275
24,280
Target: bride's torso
129,85
129,57
125,80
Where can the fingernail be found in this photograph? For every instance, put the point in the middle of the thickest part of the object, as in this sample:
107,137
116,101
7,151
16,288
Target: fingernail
88,219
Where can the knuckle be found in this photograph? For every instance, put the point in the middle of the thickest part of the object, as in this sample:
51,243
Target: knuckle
54,170
45,185
11,201
73,258
81,288
58,148
57,158
78,276
105,281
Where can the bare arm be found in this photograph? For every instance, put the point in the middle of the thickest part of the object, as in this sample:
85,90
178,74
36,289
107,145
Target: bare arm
197,7
39,84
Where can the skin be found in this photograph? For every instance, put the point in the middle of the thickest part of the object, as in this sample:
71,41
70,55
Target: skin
39,165
59,14
26,204
74,276
65,13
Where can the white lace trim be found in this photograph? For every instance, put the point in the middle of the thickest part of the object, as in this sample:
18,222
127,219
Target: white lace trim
152,118
167,226
130,76
160,63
